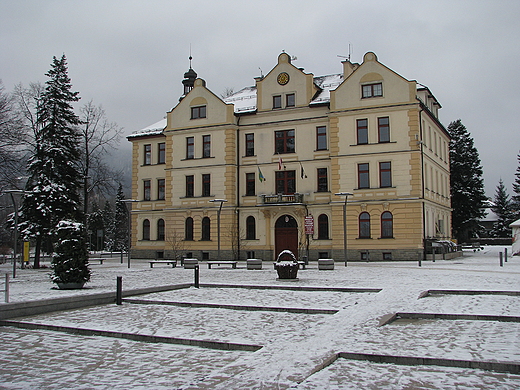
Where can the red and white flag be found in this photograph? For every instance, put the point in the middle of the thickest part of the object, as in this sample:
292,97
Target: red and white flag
280,164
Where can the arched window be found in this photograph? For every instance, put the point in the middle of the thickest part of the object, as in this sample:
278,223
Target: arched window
250,228
188,229
323,227
364,225
387,225
160,230
206,228
146,229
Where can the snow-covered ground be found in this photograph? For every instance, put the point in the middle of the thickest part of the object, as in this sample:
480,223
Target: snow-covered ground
299,350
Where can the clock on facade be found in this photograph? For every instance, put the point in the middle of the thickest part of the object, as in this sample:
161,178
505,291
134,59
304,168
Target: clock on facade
283,78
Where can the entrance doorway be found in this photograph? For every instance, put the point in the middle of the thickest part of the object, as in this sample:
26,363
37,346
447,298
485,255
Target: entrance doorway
286,235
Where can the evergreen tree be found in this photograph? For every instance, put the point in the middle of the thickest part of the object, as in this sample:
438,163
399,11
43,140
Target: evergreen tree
515,199
70,265
467,184
121,222
108,223
52,190
503,209
96,224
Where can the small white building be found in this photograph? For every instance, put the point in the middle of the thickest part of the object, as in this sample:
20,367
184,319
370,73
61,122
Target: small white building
516,237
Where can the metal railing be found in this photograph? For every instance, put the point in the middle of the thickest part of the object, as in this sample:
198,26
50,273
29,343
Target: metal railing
281,198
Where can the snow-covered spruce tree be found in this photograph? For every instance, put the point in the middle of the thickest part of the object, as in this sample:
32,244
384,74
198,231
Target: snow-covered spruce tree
52,190
503,209
467,184
515,199
108,223
121,222
70,265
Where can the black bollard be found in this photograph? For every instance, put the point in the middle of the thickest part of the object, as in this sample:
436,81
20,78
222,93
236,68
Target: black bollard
419,256
501,261
119,290
433,253
196,276
505,254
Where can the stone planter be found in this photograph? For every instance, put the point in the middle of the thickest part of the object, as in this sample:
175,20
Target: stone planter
70,286
286,269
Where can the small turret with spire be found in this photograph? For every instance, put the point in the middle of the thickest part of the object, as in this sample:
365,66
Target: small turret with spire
189,80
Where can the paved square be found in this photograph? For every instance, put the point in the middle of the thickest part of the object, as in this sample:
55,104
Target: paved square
299,350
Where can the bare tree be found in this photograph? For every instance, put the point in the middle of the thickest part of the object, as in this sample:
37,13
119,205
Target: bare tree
98,138
176,244
228,91
13,140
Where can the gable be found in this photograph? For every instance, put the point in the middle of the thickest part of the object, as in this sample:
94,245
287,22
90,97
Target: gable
372,84
285,79
199,108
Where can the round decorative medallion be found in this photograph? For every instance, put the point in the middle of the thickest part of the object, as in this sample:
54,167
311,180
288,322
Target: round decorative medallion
283,78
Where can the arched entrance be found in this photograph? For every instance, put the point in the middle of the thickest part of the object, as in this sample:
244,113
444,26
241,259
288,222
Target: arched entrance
286,235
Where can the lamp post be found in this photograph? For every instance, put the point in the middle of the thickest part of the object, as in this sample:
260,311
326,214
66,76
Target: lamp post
346,195
221,201
126,201
15,249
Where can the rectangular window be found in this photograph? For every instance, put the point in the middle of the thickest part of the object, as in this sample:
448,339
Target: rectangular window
147,185
372,90
250,184
277,101
321,138
363,176
383,129
161,189
190,147
147,154
206,184
385,174
290,100
198,112
323,185
206,146
362,131
250,144
189,186
286,182
161,157
284,141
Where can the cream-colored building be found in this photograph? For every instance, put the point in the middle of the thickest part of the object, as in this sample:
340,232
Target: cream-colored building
279,153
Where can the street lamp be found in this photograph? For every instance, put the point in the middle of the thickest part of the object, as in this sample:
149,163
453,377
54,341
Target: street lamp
15,249
346,195
126,201
221,201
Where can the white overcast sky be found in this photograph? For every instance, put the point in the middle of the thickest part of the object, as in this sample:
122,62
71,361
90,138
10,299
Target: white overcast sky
130,56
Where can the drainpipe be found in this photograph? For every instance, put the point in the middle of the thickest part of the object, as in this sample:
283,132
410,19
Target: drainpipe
238,187
422,181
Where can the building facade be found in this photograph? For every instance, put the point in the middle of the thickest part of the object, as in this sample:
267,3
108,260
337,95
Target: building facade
268,168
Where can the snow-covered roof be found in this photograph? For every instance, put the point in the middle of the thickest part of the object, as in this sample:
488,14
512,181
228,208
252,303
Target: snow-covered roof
327,84
154,129
244,101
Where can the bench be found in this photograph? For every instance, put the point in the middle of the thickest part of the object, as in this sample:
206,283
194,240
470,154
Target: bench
173,263
98,259
233,264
